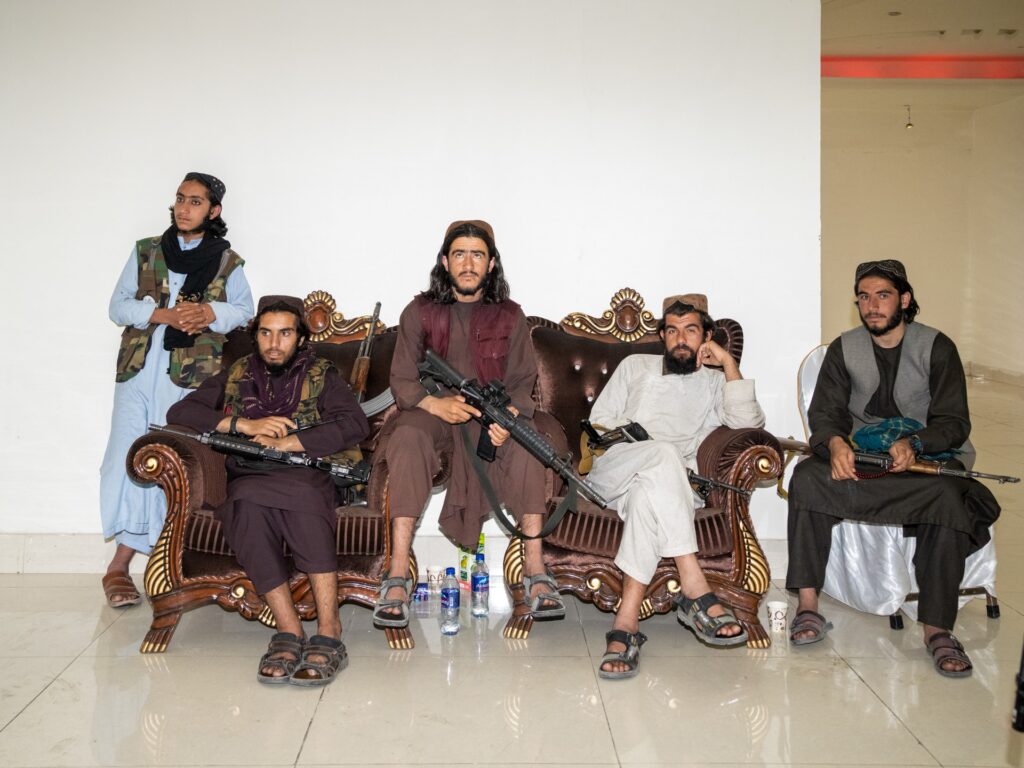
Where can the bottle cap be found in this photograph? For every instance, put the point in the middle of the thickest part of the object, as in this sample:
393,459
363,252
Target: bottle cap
449,571
479,557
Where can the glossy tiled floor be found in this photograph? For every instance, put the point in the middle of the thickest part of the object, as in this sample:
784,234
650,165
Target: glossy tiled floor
76,692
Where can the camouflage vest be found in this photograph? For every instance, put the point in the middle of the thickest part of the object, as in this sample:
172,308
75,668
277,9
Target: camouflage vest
306,413
190,366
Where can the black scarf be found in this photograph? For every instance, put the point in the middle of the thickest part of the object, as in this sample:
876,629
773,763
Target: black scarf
200,265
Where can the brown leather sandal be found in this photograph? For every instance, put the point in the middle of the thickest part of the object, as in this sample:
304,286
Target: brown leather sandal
283,655
120,585
943,646
808,621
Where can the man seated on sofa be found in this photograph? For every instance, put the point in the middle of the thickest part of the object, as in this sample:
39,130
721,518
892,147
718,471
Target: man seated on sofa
466,317
266,396
679,401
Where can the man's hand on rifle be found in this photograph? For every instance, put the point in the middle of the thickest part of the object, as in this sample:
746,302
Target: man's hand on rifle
498,434
290,443
841,458
903,455
454,409
268,426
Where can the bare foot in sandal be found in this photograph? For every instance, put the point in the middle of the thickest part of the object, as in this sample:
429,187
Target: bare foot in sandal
948,654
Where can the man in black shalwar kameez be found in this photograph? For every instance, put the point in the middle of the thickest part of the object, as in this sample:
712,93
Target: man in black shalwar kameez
265,397
892,367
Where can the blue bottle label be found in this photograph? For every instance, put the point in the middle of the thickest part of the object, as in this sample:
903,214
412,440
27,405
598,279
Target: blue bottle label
481,582
450,598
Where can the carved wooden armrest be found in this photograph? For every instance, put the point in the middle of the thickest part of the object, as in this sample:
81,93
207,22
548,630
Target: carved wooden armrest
191,474
743,457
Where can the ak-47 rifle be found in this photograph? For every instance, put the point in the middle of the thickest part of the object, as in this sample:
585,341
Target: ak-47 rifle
344,474
634,433
921,466
492,401
361,366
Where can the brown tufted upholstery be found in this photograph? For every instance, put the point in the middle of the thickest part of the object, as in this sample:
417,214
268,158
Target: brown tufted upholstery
192,564
575,358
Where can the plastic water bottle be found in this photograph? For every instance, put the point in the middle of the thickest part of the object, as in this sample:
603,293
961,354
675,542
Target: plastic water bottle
449,603
481,585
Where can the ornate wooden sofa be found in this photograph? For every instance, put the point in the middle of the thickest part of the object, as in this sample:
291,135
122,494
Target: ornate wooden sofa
192,565
575,359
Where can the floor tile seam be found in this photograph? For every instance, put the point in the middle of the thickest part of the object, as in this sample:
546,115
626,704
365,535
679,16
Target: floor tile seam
604,704
41,691
56,677
309,726
899,719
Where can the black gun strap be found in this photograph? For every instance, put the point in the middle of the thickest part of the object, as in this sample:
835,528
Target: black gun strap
498,509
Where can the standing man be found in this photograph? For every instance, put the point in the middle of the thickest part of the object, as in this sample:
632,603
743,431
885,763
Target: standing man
679,400
889,371
178,295
266,396
467,318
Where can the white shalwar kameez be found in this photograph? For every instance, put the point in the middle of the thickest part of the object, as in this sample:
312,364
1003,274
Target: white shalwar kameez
646,482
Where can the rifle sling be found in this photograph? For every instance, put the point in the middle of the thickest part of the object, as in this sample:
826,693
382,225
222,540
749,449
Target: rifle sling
498,509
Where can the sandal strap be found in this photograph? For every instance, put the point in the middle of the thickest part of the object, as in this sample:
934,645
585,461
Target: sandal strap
624,637
540,578
395,581
705,601
943,641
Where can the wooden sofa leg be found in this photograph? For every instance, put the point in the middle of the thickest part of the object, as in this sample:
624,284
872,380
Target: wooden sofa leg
399,638
520,622
160,632
757,637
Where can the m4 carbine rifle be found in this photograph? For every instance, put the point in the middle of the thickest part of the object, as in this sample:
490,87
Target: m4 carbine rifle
634,433
921,466
492,401
344,474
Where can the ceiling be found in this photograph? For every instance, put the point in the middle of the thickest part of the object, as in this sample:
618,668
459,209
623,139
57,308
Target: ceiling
922,28
865,28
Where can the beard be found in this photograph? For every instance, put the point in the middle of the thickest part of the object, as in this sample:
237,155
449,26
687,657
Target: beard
276,369
681,365
892,322
468,291
197,231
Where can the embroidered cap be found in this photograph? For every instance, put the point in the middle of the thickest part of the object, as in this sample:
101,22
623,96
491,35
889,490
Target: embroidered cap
695,300
212,183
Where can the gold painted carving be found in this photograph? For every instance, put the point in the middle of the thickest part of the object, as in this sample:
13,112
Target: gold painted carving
324,322
626,320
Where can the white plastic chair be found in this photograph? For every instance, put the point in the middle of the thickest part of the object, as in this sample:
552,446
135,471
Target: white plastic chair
871,566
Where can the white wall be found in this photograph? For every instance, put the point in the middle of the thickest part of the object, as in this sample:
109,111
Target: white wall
996,238
670,146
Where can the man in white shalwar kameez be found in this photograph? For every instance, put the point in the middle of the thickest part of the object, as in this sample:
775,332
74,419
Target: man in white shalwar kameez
679,400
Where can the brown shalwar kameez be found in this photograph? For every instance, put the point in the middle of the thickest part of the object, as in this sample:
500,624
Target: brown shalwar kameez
417,438
271,504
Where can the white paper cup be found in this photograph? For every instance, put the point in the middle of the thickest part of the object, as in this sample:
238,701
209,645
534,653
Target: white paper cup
778,615
435,574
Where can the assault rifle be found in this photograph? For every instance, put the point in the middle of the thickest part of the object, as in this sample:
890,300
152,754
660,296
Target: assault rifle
492,401
921,466
344,474
634,433
361,366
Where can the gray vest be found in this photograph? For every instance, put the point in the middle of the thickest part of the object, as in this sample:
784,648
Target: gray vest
911,390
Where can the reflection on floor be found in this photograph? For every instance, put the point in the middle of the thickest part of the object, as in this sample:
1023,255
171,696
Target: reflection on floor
76,692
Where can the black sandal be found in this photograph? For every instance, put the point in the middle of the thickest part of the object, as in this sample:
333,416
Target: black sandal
283,653
943,646
309,672
630,657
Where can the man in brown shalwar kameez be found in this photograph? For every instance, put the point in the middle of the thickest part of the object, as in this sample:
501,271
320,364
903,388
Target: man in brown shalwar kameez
284,397
467,318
